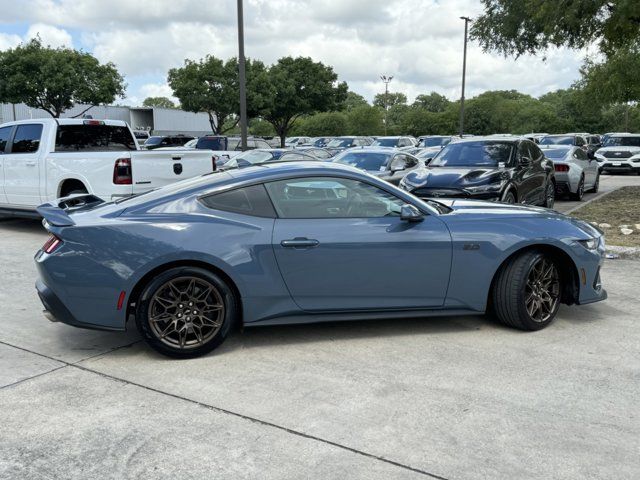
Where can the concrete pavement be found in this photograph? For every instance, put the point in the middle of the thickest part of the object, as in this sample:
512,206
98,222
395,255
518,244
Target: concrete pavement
420,398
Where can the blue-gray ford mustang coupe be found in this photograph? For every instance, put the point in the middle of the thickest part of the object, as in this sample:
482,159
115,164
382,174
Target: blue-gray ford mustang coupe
304,242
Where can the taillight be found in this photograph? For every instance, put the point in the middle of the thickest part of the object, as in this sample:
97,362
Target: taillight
51,244
122,172
562,168
214,159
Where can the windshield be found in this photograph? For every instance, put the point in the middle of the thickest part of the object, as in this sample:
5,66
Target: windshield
560,140
385,142
339,142
365,160
211,143
153,141
555,153
254,156
473,154
622,142
434,141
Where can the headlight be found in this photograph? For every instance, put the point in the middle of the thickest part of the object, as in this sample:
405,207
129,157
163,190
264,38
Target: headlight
483,189
590,244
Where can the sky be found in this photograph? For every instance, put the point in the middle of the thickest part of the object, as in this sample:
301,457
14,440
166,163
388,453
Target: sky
418,42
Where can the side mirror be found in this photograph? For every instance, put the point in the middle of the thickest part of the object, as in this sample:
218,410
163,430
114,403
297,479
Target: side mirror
427,161
410,213
398,164
591,154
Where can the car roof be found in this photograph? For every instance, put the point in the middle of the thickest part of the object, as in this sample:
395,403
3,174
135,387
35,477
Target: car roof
490,138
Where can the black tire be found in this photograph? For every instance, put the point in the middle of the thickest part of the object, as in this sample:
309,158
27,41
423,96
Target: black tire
220,327
550,195
511,288
579,193
596,185
509,197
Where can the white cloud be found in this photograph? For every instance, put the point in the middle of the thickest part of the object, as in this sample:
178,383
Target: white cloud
417,41
50,35
8,41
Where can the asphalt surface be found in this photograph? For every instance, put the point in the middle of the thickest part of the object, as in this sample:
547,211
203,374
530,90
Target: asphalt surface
455,398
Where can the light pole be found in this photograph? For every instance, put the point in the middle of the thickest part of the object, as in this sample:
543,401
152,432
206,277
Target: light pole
242,78
464,72
386,79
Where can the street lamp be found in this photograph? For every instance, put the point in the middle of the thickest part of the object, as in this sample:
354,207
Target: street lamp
242,79
464,72
386,79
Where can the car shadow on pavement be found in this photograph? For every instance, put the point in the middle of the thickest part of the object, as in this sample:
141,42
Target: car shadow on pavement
21,225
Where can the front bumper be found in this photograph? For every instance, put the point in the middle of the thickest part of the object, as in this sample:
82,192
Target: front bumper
622,167
454,193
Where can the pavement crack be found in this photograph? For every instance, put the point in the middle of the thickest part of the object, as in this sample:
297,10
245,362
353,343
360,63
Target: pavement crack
33,376
222,410
266,423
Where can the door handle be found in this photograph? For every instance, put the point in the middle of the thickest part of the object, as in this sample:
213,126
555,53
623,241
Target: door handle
300,242
30,164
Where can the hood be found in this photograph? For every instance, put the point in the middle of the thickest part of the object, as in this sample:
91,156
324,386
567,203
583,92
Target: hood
618,149
446,177
490,209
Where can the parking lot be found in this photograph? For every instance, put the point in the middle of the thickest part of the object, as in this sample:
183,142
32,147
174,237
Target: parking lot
451,398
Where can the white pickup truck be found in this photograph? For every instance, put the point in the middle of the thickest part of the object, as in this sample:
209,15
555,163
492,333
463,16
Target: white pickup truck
45,159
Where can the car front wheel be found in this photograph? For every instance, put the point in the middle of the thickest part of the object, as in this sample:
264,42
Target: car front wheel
186,312
527,291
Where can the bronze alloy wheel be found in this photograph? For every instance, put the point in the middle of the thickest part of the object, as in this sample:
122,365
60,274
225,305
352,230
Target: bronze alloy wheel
186,312
542,290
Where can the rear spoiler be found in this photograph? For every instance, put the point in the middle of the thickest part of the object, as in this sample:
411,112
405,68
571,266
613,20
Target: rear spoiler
57,213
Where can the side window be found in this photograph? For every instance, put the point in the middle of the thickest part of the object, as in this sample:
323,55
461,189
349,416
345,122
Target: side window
411,161
251,200
27,139
580,141
4,138
331,197
262,144
580,154
536,153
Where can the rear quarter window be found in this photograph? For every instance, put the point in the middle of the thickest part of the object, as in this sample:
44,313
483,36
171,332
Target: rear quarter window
252,200
94,138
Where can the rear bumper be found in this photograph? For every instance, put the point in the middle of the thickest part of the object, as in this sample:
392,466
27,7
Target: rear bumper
55,310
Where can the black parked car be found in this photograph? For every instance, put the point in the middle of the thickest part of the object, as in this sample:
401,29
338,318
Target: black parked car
388,164
160,141
509,169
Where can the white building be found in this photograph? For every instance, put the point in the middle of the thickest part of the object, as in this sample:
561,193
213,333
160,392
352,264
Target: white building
159,121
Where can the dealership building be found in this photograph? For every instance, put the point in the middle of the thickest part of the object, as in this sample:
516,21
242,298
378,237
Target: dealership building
158,121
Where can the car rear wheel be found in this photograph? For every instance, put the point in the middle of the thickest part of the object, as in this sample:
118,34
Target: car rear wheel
186,312
579,193
527,291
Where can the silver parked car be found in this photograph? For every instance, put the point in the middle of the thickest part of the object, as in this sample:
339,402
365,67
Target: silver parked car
576,173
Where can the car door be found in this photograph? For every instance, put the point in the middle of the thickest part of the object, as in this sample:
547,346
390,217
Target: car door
5,133
527,178
22,168
340,244
588,167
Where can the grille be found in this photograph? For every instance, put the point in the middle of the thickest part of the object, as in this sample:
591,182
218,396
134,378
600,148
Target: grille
617,154
439,192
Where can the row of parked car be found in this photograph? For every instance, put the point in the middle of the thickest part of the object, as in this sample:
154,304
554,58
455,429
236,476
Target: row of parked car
507,168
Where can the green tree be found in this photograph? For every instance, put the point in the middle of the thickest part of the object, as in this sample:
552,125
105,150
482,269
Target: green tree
212,86
54,79
365,120
517,27
353,100
325,124
390,99
433,102
614,81
261,128
160,102
299,87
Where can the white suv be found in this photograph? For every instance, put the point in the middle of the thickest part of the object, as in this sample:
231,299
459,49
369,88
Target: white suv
620,153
